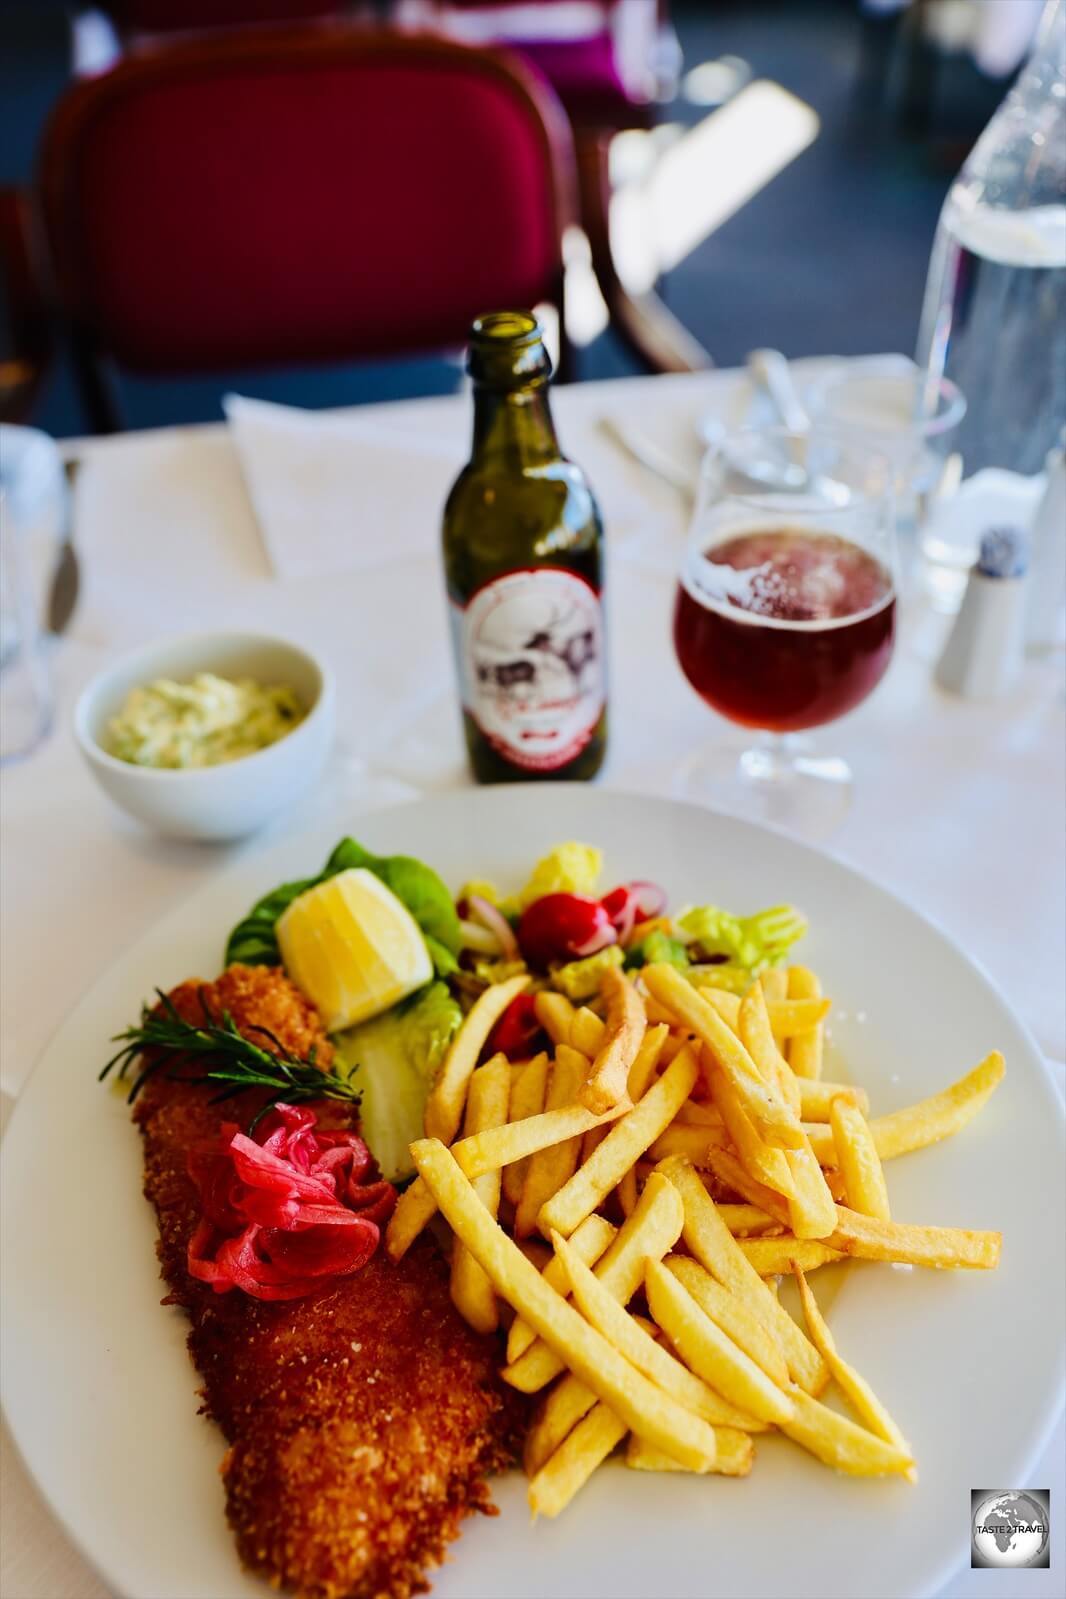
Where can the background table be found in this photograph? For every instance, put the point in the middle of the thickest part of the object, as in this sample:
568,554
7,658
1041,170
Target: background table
957,807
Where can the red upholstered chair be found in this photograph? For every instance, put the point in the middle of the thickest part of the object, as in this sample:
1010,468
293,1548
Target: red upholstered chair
295,195
144,17
610,62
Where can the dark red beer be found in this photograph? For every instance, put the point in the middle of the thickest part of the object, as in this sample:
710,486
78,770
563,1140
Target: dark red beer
784,630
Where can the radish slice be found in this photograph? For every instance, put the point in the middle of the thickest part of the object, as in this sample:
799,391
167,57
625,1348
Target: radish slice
562,927
632,902
602,938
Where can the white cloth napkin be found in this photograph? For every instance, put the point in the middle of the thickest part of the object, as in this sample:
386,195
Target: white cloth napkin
332,492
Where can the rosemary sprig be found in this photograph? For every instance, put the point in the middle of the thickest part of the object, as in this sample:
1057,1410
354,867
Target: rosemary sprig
216,1052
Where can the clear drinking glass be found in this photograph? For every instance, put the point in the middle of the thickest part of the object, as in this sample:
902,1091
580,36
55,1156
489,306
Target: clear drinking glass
785,615
32,512
891,405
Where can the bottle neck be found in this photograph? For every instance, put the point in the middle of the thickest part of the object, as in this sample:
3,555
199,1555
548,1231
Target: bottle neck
514,427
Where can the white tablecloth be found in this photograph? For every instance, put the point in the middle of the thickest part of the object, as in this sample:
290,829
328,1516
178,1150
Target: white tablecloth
958,807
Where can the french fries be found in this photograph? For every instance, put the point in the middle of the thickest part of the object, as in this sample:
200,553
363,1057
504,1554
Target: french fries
775,1121
647,1060
486,1106
765,1163
638,1347
586,1032
444,1107
588,1243
841,1443
732,1315
805,1048
929,1120
698,1114
625,1143
550,1168
709,1241
555,1014
744,1219
555,1417
857,1390
774,984
872,1239
652,1230
644,1408
790,1018
731,1172
710,1352
859,1162
735,1454
483,1152
811,1208
757,1036
576,1458
622,1036
688,1139
668,1113
816,1098
773,1257
527,1099
810,1204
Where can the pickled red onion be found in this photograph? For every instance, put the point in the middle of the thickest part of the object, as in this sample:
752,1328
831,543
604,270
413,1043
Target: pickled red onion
285,1210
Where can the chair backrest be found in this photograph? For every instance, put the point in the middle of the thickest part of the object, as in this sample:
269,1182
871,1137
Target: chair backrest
145,17
302,194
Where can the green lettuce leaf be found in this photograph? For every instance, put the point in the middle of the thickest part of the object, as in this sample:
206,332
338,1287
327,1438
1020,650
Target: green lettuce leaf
567,869
392,1061
579,980
497,971
752,942
254,941
658,946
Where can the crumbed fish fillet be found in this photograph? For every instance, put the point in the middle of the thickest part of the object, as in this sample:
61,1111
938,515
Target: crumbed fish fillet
362,1420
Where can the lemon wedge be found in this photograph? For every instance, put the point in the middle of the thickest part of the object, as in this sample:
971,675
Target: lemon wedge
352,947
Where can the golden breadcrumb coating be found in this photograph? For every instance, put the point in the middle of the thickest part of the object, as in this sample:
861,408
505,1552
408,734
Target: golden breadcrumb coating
362,1420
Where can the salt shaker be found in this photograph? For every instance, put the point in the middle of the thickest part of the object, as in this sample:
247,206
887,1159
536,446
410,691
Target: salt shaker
983,654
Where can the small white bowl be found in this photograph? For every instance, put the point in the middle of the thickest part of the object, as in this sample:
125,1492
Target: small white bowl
211,802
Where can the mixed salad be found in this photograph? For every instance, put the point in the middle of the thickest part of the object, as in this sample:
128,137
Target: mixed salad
393,961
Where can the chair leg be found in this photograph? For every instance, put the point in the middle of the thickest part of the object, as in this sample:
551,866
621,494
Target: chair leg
565,370
24,320
642,321
96,387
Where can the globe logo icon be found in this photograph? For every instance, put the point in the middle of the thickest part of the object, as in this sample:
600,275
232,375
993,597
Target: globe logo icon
1010,1529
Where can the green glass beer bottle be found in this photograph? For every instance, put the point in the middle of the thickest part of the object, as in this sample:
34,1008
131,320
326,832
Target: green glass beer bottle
523,562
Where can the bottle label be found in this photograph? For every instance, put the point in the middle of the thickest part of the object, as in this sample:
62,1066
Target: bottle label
530,647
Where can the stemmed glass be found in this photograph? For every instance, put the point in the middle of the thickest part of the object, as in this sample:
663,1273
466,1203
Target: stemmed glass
785,615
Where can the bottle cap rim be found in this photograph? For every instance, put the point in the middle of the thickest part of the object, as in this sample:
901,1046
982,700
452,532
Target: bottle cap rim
506,327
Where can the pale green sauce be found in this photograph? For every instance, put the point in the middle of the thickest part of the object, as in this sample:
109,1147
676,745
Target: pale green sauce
204,722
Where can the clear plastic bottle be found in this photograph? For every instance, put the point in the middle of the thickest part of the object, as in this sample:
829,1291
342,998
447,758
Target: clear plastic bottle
994,317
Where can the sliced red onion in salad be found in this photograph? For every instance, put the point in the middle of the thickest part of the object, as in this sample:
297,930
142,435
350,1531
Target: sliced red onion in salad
495,922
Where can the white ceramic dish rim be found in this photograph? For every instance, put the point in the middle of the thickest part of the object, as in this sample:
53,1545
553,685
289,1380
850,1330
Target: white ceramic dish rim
1037,1440
97,686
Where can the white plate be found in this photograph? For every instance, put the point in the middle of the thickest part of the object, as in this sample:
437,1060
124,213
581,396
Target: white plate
100,1393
